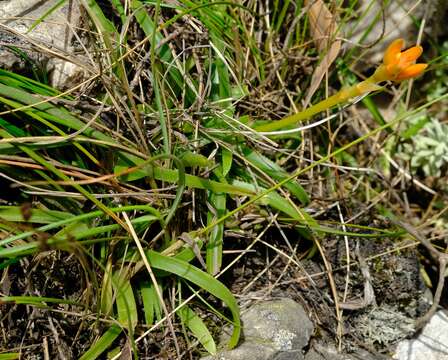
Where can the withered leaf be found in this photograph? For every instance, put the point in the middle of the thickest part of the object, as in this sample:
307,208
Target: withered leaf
323,29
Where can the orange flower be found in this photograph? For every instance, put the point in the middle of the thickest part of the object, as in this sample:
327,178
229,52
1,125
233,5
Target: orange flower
398,65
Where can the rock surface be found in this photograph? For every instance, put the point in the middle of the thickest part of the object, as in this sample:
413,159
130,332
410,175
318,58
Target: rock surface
273,330
282,322
430,344
329,352
48,43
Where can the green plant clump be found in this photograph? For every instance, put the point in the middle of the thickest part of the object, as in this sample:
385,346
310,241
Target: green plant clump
149,177
428,149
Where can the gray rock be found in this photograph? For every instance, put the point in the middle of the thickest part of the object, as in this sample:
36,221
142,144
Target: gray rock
246,351
314,355
289,355
282,322
430,344
54,34
329,352
326,353
273,330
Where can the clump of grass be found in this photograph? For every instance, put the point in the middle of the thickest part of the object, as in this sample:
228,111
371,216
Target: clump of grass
145,171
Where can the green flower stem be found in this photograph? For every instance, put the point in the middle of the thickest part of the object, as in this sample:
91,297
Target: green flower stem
342,96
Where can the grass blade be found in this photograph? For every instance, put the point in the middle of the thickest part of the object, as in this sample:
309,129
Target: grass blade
32,215
204,281
277,173
193,322
9,356
125,300
216,237
102,344
151,304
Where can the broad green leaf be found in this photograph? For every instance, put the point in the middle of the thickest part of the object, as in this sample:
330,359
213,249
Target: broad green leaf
198,328
151,303
204,281
120,10
374,111
193,159
125,300
105,27
27,84
51,112
172,176
227,158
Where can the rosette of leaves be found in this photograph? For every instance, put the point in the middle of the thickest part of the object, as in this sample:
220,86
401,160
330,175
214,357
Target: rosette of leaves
428,149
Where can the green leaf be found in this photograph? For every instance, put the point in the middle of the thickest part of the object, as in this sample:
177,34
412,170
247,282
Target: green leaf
9,356
106,301
36,300
276,201
58,115
227,158
193,159
105,27
38,216
216,236
414,128
125,300
79,218
267,166
204,281
62,240
19,81
374,111
151,304
198,328
102,344
172,176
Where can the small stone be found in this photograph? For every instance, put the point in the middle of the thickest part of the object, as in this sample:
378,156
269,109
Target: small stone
289,355
329,352
52,33
273,330
430,344
282,322
246,351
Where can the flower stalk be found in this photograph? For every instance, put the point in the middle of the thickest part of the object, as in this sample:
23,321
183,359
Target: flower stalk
397,66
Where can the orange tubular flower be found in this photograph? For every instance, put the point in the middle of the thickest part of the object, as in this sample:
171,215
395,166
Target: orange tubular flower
398,65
